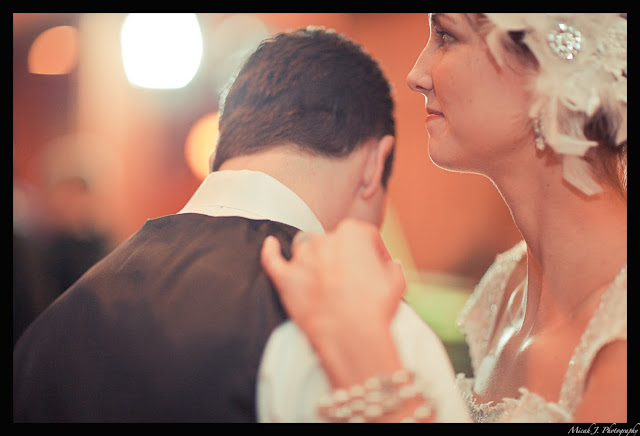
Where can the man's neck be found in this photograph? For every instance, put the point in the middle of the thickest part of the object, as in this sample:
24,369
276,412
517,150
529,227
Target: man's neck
326,185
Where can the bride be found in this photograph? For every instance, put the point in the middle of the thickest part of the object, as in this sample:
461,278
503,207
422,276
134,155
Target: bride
537,103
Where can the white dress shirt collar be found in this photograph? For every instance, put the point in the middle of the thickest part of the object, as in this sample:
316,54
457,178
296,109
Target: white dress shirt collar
253,195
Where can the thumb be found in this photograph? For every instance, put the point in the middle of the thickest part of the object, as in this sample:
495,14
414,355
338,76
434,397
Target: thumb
272,260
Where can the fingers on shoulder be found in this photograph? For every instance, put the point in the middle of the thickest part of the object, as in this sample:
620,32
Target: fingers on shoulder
285,274
357,227
366,235
302,239
271,257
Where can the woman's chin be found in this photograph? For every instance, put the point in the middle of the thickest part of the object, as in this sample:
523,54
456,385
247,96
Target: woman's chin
441,159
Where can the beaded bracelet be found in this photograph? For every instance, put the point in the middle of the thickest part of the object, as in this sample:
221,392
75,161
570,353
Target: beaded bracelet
377,397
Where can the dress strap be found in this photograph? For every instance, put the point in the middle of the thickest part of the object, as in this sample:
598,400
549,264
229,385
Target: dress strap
478,316
608,323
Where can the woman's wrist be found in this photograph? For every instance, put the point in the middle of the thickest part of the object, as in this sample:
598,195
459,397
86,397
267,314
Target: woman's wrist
351,358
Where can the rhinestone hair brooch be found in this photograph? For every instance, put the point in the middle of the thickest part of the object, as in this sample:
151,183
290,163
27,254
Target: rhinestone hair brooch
565,41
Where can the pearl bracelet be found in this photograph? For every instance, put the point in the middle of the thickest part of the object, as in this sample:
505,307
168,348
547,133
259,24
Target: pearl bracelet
377,397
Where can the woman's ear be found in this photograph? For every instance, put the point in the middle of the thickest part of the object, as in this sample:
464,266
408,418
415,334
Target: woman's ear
377,153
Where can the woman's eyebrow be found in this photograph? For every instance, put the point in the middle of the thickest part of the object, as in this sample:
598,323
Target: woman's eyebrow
437,17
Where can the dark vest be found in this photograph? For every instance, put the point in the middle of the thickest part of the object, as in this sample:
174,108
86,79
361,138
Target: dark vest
168,327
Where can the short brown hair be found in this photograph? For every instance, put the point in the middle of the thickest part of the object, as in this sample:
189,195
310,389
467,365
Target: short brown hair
311,87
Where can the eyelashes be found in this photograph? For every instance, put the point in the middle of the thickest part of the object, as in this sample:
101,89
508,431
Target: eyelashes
444,37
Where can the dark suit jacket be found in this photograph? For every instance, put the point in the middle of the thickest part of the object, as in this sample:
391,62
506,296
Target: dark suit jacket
168,327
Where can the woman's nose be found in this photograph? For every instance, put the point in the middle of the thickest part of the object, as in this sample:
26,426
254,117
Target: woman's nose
419,78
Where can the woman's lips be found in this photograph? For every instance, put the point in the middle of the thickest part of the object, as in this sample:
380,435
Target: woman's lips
433,114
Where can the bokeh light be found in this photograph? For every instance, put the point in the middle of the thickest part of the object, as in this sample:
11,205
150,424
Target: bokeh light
201,143
54,51
161,50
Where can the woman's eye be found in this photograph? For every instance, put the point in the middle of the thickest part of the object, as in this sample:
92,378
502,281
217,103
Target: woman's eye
444,36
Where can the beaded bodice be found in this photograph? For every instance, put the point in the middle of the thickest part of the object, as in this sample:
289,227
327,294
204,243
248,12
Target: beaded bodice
476,321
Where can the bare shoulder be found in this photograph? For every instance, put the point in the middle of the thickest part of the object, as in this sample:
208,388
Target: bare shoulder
605,395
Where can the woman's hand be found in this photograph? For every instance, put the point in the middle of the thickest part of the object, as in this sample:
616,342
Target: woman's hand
343,290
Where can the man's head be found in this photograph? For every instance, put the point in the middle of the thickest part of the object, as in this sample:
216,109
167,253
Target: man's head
312,89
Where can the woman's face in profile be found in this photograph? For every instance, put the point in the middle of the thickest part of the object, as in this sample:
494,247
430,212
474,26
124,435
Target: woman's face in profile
476,111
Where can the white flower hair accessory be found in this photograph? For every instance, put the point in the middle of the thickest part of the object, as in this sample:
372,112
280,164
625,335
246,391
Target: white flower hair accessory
583,67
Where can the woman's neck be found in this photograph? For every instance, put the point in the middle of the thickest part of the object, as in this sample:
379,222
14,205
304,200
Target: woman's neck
576,244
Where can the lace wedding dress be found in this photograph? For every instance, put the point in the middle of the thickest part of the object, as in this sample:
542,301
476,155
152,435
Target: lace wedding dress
609,322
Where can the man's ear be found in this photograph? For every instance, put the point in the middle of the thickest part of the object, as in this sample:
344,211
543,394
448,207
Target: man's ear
377,153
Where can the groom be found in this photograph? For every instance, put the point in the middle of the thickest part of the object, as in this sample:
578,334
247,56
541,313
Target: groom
172,326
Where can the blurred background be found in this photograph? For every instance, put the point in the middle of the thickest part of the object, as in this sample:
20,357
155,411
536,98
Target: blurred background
115,117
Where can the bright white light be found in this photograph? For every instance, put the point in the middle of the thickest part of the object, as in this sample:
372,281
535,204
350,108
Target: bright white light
161,50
